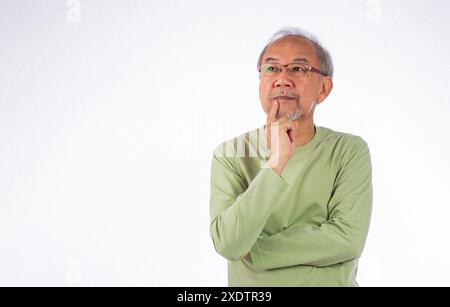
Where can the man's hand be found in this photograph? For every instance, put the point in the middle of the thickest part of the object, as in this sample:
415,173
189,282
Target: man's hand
280,139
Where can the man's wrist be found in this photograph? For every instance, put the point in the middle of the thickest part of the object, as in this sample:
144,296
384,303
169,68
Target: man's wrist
276,165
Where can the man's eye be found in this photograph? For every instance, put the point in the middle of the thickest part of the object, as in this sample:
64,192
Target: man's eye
298,69
271,69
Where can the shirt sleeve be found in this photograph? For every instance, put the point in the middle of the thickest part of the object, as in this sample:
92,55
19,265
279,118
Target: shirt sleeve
239,213
341,238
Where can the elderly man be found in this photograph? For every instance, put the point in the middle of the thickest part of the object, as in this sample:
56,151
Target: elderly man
291,201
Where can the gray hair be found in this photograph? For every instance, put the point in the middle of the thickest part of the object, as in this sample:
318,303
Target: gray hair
322,54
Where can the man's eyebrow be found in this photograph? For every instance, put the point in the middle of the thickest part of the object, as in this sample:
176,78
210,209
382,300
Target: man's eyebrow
303,60
270,59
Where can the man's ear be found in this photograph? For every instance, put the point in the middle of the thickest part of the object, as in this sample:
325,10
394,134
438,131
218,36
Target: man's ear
325,89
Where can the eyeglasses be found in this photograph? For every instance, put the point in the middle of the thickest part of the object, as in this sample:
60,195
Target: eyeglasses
294,69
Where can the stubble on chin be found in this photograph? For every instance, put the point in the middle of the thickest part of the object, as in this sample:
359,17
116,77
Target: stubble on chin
294,115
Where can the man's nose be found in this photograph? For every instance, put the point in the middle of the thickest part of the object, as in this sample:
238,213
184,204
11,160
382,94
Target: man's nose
283,79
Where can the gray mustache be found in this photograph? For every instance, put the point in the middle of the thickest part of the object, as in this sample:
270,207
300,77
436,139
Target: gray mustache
282,92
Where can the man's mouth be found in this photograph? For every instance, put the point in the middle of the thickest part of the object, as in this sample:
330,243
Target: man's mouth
283,98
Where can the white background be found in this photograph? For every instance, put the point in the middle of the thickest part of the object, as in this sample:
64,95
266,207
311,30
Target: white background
109,114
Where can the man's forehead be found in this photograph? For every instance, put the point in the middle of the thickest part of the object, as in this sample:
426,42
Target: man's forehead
293,49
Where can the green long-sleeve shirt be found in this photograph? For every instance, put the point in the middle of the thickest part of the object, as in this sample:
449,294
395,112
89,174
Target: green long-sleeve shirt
306,227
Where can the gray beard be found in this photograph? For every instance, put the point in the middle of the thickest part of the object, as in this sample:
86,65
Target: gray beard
297,112
294,115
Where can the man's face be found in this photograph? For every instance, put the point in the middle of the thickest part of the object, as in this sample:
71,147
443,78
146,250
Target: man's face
305,91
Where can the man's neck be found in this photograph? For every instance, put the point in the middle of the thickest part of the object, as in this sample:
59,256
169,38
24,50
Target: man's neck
304,133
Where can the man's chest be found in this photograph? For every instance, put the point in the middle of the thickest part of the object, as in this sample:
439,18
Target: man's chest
306,200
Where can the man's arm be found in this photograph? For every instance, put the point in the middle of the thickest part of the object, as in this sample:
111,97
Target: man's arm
239,213
340,238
